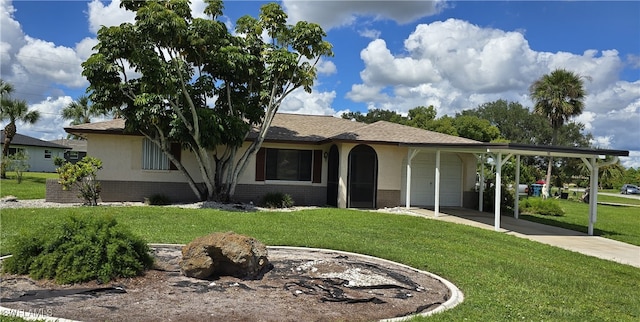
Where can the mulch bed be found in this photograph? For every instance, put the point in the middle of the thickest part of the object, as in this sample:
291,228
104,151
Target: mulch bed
304,285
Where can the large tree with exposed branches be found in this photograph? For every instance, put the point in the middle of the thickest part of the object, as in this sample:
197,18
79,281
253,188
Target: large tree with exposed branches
176,78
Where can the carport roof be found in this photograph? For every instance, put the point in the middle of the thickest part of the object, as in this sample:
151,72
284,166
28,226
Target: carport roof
524,149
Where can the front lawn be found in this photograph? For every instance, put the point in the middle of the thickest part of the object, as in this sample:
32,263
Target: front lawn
32,185
615,222
503,278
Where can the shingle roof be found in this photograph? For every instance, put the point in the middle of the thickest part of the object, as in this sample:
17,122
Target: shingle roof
115,126
387,132
307,128
317,129
75,145
24,140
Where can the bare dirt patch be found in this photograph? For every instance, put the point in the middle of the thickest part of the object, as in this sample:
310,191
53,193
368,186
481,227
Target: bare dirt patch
303,285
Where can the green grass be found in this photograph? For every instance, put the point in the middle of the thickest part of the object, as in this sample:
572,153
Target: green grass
618,200
615,222
31,187
503,278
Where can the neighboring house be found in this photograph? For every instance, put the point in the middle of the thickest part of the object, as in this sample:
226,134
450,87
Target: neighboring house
318,160
41,153
78,149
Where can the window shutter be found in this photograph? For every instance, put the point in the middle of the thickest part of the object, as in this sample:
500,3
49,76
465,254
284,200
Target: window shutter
317,166
260,156
176,151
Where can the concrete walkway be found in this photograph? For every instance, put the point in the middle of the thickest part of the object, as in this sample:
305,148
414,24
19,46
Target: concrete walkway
596,246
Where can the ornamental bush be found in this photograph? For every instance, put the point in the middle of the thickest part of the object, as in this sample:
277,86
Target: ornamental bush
548,207
83,175
277,200
79,249
158,200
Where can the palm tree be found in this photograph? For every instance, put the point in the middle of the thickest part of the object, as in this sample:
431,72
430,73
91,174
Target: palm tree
14,110
558,96
5,89
80,111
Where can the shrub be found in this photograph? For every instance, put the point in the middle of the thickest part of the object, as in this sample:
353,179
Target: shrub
78,249
277,200
19,163
548,207
506,202
83,175
158,200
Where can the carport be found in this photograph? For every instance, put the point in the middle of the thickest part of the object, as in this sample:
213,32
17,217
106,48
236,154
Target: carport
500,153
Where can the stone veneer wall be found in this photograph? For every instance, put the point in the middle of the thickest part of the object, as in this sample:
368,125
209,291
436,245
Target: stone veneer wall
116,191
302,195
137,191
54,193
388,198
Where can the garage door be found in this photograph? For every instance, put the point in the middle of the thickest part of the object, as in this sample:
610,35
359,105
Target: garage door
423,179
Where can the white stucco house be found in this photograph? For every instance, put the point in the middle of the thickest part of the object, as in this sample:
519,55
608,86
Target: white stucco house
40,153
324,160
318,160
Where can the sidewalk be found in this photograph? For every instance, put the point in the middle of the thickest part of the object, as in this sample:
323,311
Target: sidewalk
596,246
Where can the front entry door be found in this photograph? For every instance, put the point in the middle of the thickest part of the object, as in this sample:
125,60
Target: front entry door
363,177
333,178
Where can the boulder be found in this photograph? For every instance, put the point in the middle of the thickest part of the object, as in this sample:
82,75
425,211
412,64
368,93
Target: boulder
227,254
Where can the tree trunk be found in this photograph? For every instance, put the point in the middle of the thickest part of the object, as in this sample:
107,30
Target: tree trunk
554,137
548,178
9,133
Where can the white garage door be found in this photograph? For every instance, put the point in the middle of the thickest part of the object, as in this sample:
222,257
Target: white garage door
423,168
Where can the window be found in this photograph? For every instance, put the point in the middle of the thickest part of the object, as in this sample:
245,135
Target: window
154,159
291,165
73,155
13,151
47,154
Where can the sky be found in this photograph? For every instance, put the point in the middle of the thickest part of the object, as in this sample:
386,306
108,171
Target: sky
394,55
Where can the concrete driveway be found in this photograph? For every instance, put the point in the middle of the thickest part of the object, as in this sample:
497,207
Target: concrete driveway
564,238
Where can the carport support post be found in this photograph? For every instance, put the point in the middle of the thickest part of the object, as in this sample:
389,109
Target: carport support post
498,192
516,210
437,197
593,192
411,153
481,184
593,195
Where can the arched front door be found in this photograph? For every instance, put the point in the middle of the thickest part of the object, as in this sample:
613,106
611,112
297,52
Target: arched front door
333,176
362,178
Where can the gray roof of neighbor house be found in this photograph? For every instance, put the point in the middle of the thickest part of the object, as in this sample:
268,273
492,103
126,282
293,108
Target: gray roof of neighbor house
75,145
320,129
24,140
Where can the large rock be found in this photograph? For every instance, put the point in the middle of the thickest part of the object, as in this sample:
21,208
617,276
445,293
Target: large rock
224,254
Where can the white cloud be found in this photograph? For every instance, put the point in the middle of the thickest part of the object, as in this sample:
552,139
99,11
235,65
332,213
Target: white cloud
586,118
326,67
84,48
632,161
370,33
109,15
315,103
48,62
455,65
50,126
332,14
